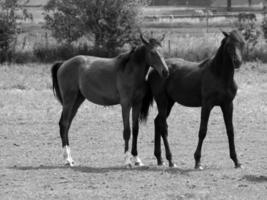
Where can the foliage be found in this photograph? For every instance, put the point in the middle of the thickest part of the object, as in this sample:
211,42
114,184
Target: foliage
182,2
190,47
51,53
11,13
112,23
264,27
246,24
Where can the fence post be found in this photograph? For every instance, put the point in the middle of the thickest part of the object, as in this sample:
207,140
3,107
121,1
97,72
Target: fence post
169,47
46,40
207,19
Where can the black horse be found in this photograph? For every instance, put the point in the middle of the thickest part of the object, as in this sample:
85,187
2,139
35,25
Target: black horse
206,84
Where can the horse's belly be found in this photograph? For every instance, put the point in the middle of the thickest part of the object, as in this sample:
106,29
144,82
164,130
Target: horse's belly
186,95
189,101
99,91
101,98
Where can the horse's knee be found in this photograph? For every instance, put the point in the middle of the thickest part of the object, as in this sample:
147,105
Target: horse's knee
126,134
63,123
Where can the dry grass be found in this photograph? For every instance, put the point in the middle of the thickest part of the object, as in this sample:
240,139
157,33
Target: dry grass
31,165
34,76
191,47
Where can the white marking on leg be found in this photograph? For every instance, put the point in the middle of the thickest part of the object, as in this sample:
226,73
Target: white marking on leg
137,161
127,159
174,166
67,156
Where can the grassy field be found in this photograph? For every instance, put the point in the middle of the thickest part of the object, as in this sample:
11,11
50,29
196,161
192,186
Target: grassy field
31,164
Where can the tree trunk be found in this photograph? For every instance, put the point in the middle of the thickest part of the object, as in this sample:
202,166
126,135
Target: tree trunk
229,5
249,2
99,40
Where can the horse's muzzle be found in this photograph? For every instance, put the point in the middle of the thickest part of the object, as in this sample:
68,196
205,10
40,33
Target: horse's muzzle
237,64
165,73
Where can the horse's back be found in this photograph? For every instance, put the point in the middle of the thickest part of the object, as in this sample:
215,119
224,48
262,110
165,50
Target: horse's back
182,65
184,83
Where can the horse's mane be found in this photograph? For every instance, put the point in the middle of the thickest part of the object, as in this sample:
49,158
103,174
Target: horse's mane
136,52
219,56
124,58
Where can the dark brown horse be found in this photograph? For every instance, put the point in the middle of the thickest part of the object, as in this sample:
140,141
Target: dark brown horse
206,84
107,81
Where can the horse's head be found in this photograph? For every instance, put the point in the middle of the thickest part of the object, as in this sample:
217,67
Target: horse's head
234,44
154,57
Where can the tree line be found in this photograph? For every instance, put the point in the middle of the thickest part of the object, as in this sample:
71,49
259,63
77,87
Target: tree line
205,3
109,23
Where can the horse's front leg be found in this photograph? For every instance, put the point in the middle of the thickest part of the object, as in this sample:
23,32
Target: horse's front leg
227,110
205,113
126,132
135,128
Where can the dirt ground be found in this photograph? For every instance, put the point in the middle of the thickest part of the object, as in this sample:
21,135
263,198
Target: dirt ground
31,164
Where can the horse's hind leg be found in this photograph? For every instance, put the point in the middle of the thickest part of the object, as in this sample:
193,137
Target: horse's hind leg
135,128
161,128
227,110
126,132
70,108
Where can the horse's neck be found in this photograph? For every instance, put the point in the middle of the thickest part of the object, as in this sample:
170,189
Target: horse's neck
222,65
138,63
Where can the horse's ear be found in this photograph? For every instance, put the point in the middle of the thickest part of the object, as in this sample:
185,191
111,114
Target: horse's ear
225,33
162,37
144,40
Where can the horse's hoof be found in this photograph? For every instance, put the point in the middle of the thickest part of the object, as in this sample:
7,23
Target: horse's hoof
137,161
172,165
128,166
139,164
239,166
127,160
70,164
199,167
163,164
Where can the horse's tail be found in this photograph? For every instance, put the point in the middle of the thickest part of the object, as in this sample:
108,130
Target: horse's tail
146,103
56,91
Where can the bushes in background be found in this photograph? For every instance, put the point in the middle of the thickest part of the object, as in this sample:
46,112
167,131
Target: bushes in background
193,48
112,23
246,24
11,12
51,53
264,27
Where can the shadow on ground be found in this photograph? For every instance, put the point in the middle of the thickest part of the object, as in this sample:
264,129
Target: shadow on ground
85,169
255,178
